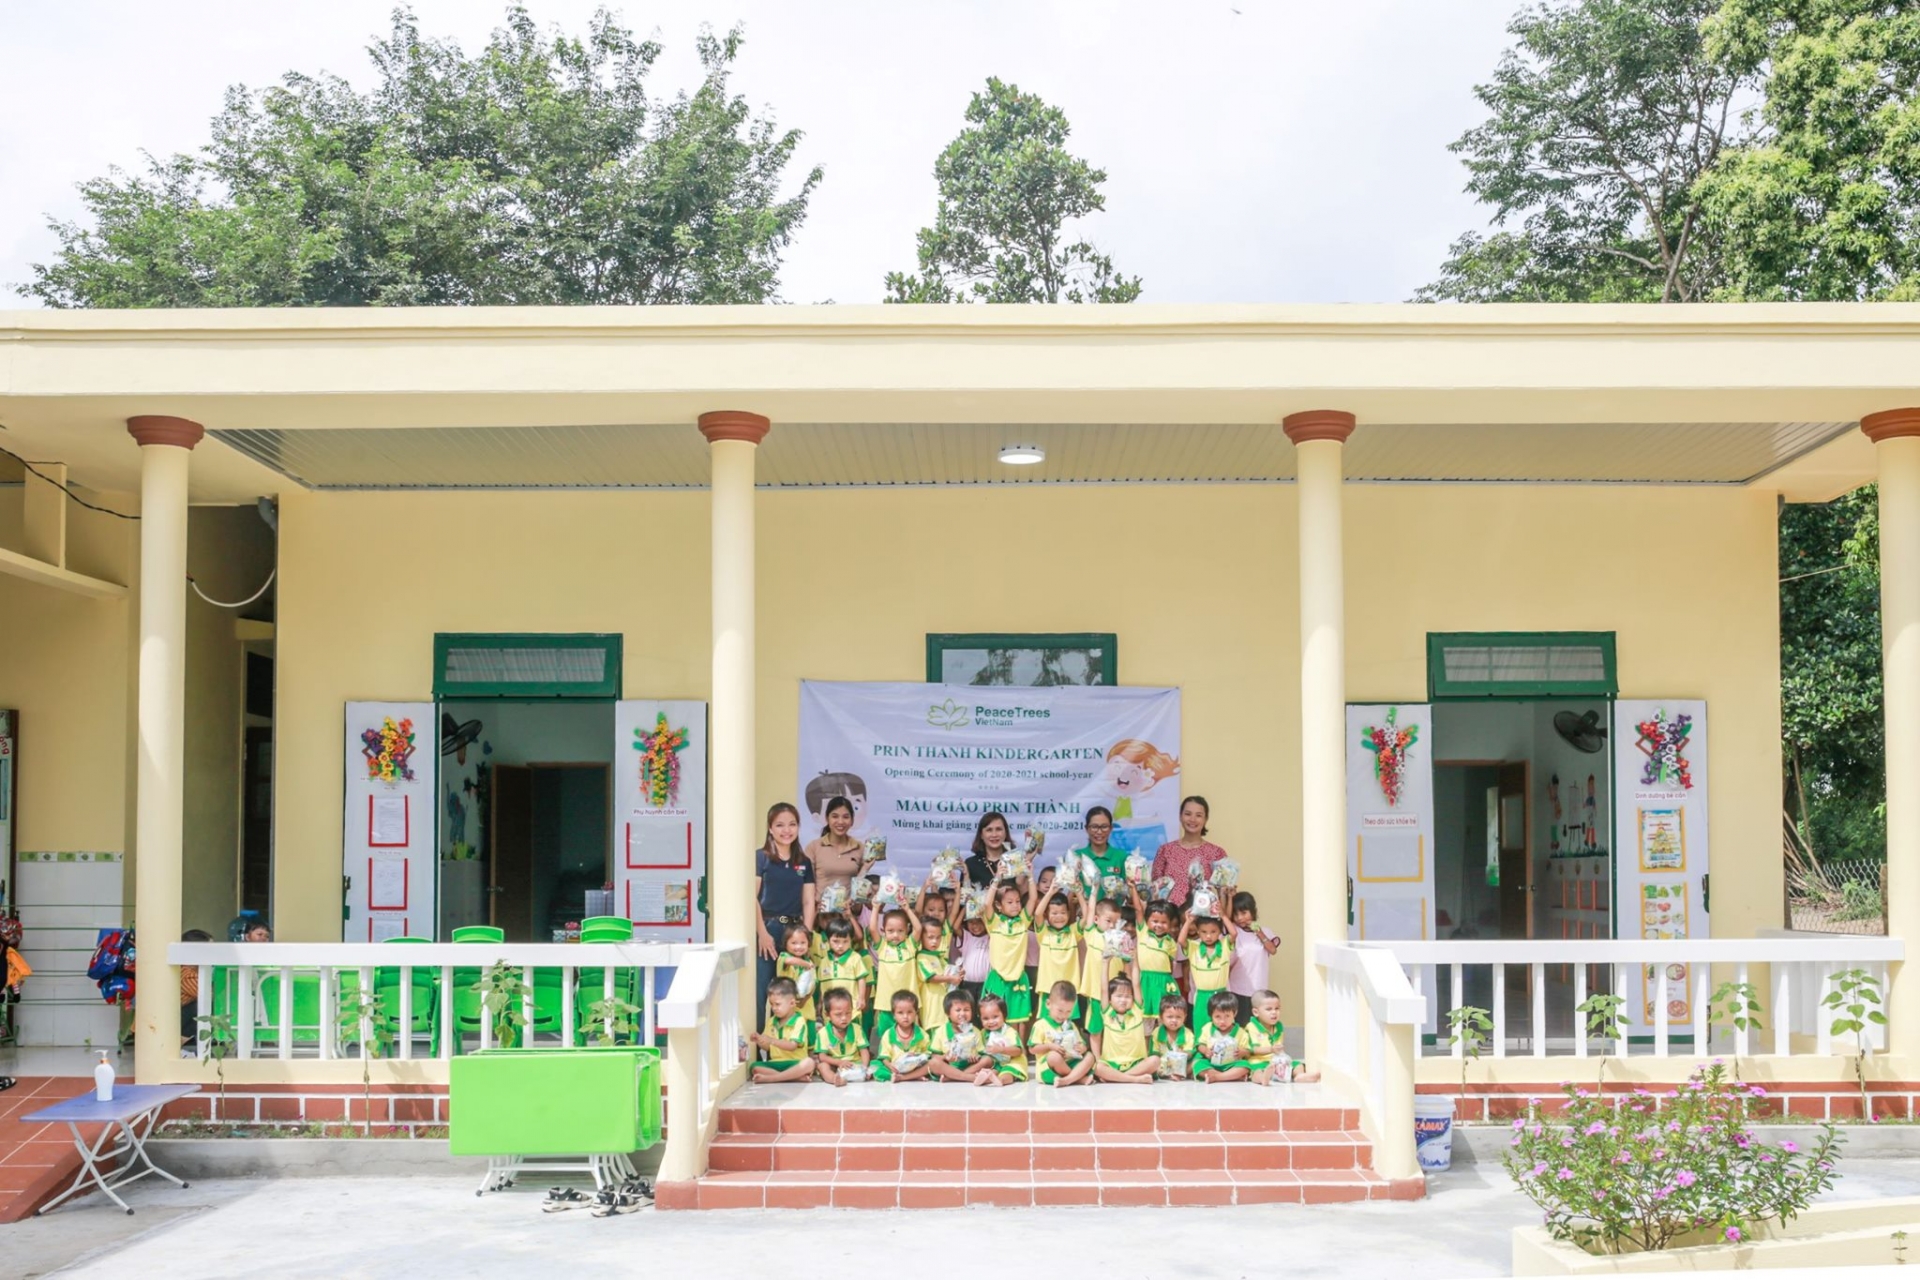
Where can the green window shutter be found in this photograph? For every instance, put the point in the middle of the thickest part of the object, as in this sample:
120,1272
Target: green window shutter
1521,664
481,665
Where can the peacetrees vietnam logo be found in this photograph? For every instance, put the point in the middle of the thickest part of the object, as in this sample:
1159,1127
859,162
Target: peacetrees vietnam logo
949,715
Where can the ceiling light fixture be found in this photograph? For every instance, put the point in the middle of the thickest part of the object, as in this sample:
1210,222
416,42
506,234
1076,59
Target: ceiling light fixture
1022,455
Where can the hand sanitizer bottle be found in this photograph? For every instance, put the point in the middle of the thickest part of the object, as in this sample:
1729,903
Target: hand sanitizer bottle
103,1079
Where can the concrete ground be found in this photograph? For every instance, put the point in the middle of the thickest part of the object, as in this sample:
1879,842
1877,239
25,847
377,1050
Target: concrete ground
426,1227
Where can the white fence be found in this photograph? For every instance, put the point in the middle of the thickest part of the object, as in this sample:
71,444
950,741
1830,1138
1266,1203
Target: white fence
706,1052
281,999
1549,981
1372,1016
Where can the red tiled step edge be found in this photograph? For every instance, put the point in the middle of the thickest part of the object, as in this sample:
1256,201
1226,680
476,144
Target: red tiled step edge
795,1121
950,1190
917,1153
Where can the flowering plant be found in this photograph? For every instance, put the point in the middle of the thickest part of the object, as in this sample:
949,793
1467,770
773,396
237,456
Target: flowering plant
1658,1168
388,750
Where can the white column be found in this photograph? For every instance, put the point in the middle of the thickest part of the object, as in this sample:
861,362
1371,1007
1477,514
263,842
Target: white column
165,446
733,438
1319,436
1896,438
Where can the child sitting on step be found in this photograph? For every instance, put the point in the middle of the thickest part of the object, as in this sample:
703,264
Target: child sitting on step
1174,1043
901,1052
839,1043
1006,1057
1060,1051
1221,1053
784,1042
957,1046
1261,1043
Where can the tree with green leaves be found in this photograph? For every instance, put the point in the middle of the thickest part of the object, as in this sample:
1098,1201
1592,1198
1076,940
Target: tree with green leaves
1009,189
538,171
1825,203
1602,119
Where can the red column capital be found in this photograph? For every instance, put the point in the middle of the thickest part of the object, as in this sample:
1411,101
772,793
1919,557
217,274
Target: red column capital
1891,423
734,424
150,428
1318,424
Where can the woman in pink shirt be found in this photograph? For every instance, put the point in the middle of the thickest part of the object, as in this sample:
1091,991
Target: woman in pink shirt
1176,856
1253,949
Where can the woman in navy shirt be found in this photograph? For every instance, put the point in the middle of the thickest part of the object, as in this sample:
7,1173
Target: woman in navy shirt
783,891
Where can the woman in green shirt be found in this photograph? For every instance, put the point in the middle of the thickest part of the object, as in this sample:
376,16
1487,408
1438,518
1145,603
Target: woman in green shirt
1111,861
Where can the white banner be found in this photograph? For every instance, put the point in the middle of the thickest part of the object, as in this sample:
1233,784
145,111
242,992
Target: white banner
922,762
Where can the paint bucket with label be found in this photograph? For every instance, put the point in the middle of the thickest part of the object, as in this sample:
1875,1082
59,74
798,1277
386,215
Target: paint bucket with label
1433,1132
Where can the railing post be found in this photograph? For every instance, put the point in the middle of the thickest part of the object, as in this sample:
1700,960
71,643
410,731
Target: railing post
1499,1010
1579,1019
1395,1153
1537,973
1742,1035
447,1030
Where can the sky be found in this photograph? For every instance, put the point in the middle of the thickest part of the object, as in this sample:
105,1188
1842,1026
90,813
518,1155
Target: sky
1256,150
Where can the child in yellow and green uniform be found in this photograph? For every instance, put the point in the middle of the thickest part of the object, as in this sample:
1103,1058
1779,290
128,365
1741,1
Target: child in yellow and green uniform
1124,1055
1209,957
1222,1050
957,1052
1007,932
1266,1054
1060,1051
901,1052
1097,968
1001,1040
1155,946
785,1040
896,963
938,975
839,1045
793,961
1174,1043
1059,939
844,968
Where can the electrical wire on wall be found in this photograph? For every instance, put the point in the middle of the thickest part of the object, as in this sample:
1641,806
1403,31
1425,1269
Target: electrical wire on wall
265,509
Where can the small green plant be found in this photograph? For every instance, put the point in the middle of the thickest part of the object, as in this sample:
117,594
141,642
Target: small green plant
363,1020
613,1021
1607,1021
1654,1171
503,995
1855,1001
1734,1004
1899,1248
215,1031
1470,1027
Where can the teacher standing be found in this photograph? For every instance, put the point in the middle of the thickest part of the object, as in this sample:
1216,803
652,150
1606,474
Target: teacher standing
1176,857
1099,849
783,891
836,854
989,847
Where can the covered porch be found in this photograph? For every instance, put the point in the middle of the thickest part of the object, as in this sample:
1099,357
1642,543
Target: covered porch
1271,506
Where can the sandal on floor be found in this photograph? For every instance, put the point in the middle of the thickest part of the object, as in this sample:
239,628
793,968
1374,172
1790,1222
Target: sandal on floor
6,1083
616,1202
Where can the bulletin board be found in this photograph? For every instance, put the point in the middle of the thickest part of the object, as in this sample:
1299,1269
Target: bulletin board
660,818
1660,821
392,750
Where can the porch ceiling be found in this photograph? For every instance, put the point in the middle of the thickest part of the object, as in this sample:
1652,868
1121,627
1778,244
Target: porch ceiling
807,455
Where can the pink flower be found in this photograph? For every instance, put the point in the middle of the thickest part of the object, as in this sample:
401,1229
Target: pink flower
1539,1169
1757,1092
1733,1235
1566,1175
1685,1178
1596,1128
1520,1124
1789,1147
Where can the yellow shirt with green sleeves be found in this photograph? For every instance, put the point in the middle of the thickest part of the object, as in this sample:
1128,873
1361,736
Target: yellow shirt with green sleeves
1262,1045
896,968
943,1043
787,967
843,973
1182,1041
1047,1034
842,1046
1123,1038
1097,968
1007,945
1003,1046
1059,958
1156,951
933,995
1211,1038
890,1048
793,1027
1209,965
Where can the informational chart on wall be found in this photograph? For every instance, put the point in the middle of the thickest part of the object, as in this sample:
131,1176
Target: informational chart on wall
1660,817
921,763
660,818
387,855
1390,820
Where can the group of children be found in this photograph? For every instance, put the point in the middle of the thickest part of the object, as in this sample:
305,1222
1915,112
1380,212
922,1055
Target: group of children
1047,984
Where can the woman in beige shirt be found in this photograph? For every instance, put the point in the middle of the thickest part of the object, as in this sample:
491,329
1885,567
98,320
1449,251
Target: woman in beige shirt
835,855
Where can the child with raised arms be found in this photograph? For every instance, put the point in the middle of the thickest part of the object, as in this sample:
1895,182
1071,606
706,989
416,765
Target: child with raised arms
1203,942
839,1043
1059,1047
1006,1055
844,967
1155,946
1124,1056
896,961
901,1052
975,957
1253,949
1174,1042
1059,937
938,975
1222,1051
1007,933
1097,968
957,1046
784,1042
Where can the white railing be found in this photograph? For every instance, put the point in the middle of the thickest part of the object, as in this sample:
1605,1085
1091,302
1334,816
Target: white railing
1372,1016
281,999
1541,986
706,1052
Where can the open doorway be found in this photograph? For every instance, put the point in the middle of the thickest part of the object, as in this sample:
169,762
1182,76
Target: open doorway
526,813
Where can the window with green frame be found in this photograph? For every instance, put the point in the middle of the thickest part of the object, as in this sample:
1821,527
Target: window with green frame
1521,664
1023,659
525,665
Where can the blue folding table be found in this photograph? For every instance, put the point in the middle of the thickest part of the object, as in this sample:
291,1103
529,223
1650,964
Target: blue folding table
134,1110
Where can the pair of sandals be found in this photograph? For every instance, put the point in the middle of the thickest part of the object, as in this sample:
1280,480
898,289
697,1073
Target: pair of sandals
606,1203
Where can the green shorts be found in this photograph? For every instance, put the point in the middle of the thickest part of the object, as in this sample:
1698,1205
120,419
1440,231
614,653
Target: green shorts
1011,1070
1207,1068
1047,1075
1018,996
1123,1067
787,1065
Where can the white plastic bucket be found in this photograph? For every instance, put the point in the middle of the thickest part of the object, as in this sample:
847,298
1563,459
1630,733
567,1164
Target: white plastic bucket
1433,1132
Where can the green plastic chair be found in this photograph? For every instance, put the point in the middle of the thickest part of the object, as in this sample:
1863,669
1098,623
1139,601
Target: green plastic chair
610,922
308,1018
479,933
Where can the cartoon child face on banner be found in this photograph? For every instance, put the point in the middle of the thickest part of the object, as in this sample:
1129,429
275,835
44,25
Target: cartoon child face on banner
830,785
1134,768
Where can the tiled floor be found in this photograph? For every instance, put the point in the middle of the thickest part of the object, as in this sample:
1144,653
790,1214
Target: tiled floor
35,1159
